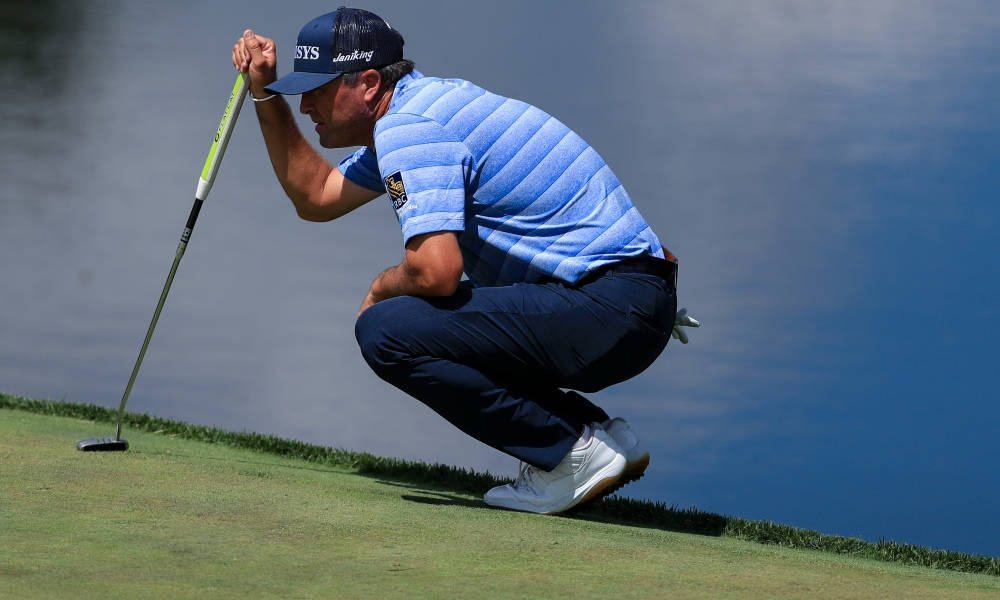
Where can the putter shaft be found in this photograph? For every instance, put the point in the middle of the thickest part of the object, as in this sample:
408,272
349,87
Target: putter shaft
205,182
152,324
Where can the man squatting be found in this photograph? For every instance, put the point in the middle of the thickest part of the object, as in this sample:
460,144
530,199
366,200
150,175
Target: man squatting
568,289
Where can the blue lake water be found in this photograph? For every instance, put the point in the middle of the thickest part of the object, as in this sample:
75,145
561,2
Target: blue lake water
826,173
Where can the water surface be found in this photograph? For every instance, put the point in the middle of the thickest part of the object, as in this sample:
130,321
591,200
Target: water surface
826,174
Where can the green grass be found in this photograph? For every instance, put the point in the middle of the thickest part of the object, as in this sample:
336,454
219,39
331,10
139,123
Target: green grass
251,515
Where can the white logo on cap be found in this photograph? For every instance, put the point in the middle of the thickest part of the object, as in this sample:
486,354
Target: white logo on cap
307,52
356,55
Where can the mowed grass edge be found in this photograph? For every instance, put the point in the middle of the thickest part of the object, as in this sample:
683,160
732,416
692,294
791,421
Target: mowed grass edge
618,510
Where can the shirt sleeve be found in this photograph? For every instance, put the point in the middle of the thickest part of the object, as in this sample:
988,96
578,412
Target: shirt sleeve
362,169
425,171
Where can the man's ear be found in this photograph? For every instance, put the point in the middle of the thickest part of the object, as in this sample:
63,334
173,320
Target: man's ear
372,82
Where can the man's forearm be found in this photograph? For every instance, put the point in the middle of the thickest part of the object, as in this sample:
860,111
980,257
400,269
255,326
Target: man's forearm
390,283
402,280
399,281
299,168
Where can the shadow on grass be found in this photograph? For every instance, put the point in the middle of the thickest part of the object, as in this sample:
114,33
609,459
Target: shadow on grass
440,499
254,463
440,484
613,509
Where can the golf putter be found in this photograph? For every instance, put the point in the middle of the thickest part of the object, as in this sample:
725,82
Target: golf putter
222,134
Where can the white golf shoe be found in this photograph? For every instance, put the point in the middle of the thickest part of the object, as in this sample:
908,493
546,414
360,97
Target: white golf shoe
636,454
591,468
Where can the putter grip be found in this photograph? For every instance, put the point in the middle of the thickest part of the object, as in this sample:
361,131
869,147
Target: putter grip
222,135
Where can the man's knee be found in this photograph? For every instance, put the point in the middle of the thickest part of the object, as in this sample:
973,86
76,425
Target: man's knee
371,336
381,334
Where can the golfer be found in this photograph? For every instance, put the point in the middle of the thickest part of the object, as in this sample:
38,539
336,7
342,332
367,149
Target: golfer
568,289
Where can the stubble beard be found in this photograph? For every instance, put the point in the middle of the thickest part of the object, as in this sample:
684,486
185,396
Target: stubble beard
346,135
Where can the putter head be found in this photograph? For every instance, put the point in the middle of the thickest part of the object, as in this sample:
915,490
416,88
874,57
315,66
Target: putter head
105,444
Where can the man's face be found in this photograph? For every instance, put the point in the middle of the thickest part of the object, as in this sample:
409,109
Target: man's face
340,113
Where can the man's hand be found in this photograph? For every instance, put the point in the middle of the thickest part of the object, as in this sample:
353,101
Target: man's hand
255,55
369,300
683,320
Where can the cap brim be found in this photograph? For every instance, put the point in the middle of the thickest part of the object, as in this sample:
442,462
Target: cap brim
299,82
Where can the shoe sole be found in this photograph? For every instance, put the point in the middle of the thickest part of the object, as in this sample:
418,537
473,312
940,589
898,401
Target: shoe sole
633,472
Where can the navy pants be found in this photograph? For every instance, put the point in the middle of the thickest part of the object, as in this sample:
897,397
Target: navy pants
496,361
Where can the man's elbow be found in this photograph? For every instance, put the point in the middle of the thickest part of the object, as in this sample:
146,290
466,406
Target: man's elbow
310,215
433,264
308,210
447,287
444,284
441,281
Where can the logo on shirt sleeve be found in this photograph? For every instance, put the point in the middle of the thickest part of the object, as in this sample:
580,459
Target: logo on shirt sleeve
397,191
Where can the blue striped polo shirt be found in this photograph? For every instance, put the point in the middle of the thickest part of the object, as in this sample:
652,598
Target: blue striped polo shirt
526,196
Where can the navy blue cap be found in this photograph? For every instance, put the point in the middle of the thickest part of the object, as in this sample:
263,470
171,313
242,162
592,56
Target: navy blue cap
348,39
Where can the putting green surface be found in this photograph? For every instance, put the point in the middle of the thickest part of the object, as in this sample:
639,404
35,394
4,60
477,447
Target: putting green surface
174,518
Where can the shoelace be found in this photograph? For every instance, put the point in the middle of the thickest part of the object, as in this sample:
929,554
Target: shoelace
525,477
